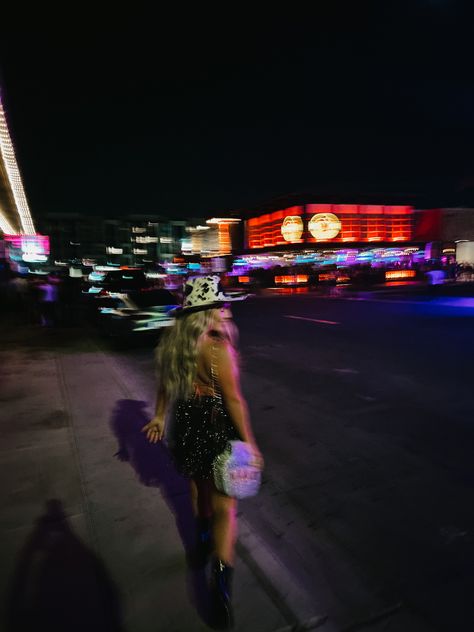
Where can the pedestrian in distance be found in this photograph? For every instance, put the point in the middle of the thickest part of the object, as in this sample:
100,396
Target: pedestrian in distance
195,357
48,301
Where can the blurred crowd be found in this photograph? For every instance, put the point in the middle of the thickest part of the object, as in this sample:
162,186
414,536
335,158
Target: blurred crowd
47,300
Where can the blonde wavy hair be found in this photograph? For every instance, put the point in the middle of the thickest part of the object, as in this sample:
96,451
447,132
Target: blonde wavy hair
177,352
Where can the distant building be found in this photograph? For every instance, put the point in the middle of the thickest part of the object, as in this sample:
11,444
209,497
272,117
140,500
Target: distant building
131,240
219,236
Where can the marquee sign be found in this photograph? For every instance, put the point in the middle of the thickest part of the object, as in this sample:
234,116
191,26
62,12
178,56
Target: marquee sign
29,248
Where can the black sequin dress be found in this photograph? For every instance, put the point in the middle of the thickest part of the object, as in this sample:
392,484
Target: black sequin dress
200,430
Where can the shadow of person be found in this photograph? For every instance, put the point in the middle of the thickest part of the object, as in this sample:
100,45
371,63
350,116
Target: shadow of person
154,467
59,584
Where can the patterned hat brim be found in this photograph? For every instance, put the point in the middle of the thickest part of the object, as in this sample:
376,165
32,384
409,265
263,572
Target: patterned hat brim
180,311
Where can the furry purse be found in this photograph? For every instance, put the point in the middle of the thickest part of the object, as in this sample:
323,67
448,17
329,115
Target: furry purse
235,473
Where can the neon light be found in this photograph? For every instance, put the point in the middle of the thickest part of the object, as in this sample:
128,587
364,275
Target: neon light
14,177
326,276
33,247
223,220
290,279
400,274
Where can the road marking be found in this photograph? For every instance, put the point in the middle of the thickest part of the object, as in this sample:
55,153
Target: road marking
467,303
313,320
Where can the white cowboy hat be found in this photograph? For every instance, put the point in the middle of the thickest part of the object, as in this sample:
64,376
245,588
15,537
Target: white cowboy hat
204,292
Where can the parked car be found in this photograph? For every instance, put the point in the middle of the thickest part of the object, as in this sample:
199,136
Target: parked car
137,312
120,280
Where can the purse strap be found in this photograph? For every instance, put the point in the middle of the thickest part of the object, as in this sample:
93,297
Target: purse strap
215,381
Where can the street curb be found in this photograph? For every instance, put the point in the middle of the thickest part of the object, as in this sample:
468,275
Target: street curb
284,590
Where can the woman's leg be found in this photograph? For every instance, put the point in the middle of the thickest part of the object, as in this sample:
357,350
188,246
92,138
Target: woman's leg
224,532
201,498
201,505
224,526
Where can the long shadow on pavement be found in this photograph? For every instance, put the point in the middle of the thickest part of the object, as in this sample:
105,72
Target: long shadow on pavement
154,467
59,584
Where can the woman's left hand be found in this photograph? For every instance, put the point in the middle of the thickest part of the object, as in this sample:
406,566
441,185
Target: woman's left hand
154,430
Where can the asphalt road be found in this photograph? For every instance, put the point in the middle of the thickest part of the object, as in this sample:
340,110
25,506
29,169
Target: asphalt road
364,412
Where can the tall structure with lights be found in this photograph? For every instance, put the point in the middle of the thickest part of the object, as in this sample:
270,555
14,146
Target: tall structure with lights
15,216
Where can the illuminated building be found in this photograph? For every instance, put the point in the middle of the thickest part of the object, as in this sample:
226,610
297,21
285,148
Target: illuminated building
217,238
20,244
299,230
15,216
331,224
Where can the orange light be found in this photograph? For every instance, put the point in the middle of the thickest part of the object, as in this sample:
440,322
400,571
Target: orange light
290,279
244,279
400,274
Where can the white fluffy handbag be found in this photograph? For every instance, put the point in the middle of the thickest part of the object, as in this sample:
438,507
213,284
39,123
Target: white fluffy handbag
234,471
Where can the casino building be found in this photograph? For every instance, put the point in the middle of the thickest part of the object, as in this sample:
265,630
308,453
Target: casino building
19,242
296,231
331,224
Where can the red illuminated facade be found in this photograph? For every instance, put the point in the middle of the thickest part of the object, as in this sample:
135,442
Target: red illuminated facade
331,224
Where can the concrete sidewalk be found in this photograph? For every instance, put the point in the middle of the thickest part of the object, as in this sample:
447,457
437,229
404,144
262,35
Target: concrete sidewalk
95,520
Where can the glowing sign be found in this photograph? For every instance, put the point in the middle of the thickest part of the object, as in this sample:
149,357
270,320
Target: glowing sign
292,228
289,279
27,247
400,274
324,226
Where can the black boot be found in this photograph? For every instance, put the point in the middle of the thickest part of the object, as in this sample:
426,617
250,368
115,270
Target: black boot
221,585
199,556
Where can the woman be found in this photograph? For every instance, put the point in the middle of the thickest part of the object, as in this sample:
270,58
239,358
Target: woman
196,358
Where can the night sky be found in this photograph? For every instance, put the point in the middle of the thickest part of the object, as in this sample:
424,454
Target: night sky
195,114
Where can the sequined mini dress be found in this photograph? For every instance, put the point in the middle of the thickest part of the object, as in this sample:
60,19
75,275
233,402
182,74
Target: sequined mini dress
200,430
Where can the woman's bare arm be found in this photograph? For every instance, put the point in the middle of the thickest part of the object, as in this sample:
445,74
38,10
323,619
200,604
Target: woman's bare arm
161,402
229,381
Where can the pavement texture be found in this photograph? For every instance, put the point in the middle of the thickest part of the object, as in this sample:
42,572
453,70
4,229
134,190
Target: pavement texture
95,521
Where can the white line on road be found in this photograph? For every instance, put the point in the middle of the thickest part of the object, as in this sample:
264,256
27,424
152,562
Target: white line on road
467,302
313,320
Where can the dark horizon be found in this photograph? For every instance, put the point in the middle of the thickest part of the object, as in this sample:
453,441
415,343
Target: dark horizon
183,119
